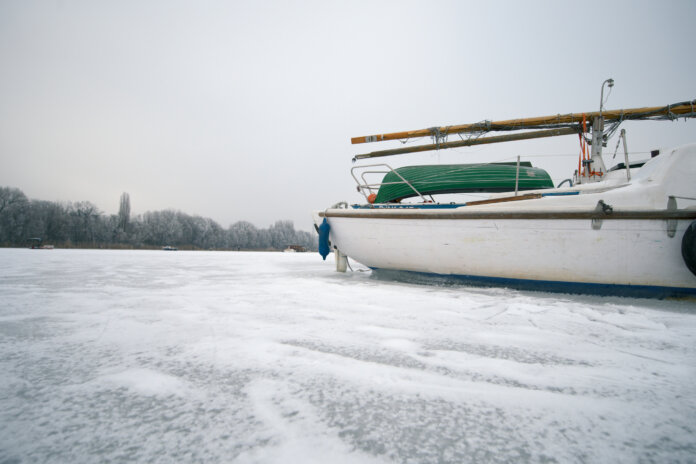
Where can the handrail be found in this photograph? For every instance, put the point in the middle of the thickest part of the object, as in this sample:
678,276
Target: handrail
369,186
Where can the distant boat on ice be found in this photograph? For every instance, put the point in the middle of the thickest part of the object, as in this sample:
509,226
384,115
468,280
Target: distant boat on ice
35,243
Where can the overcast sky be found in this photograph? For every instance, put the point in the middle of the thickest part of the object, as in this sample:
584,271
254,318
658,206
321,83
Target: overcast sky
245,110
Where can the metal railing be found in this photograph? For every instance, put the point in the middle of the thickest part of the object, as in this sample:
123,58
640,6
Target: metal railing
373,187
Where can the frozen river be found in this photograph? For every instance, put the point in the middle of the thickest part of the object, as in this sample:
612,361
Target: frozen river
182,357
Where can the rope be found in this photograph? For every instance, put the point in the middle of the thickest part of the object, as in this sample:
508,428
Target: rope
618,141
583,147
580,156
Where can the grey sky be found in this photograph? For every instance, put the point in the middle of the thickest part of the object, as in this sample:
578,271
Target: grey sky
244,110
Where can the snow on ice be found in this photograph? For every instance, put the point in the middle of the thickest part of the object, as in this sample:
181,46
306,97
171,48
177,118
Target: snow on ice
151,356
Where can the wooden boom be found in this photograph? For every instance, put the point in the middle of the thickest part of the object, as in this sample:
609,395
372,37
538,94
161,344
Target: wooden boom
683,109
477,141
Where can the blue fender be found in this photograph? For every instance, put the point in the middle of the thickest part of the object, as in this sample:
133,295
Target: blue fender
324,248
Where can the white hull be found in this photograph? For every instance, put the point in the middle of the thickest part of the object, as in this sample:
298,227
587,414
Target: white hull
494,241
620,253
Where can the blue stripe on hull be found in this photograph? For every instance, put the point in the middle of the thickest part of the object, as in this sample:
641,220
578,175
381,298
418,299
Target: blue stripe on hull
633,291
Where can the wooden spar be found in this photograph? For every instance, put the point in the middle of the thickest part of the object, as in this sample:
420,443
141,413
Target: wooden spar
685,109
479,141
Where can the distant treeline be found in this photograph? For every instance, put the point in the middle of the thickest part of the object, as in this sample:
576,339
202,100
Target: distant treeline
81,224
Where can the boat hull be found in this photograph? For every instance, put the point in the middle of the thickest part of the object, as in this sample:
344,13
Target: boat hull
551,254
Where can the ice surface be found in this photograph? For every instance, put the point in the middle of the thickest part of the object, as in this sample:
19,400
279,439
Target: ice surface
139,356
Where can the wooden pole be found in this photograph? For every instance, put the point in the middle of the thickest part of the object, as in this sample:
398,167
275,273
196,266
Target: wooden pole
478,141
680,109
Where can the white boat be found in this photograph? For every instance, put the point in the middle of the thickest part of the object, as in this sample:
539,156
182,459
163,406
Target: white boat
626,231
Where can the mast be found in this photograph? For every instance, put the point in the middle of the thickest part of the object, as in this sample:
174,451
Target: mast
594,168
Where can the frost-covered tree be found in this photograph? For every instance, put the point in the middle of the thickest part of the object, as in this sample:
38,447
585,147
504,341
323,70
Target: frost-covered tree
282,234
14,208
84,218
162,228
82,224
124,212
242,235
10,196
48,220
